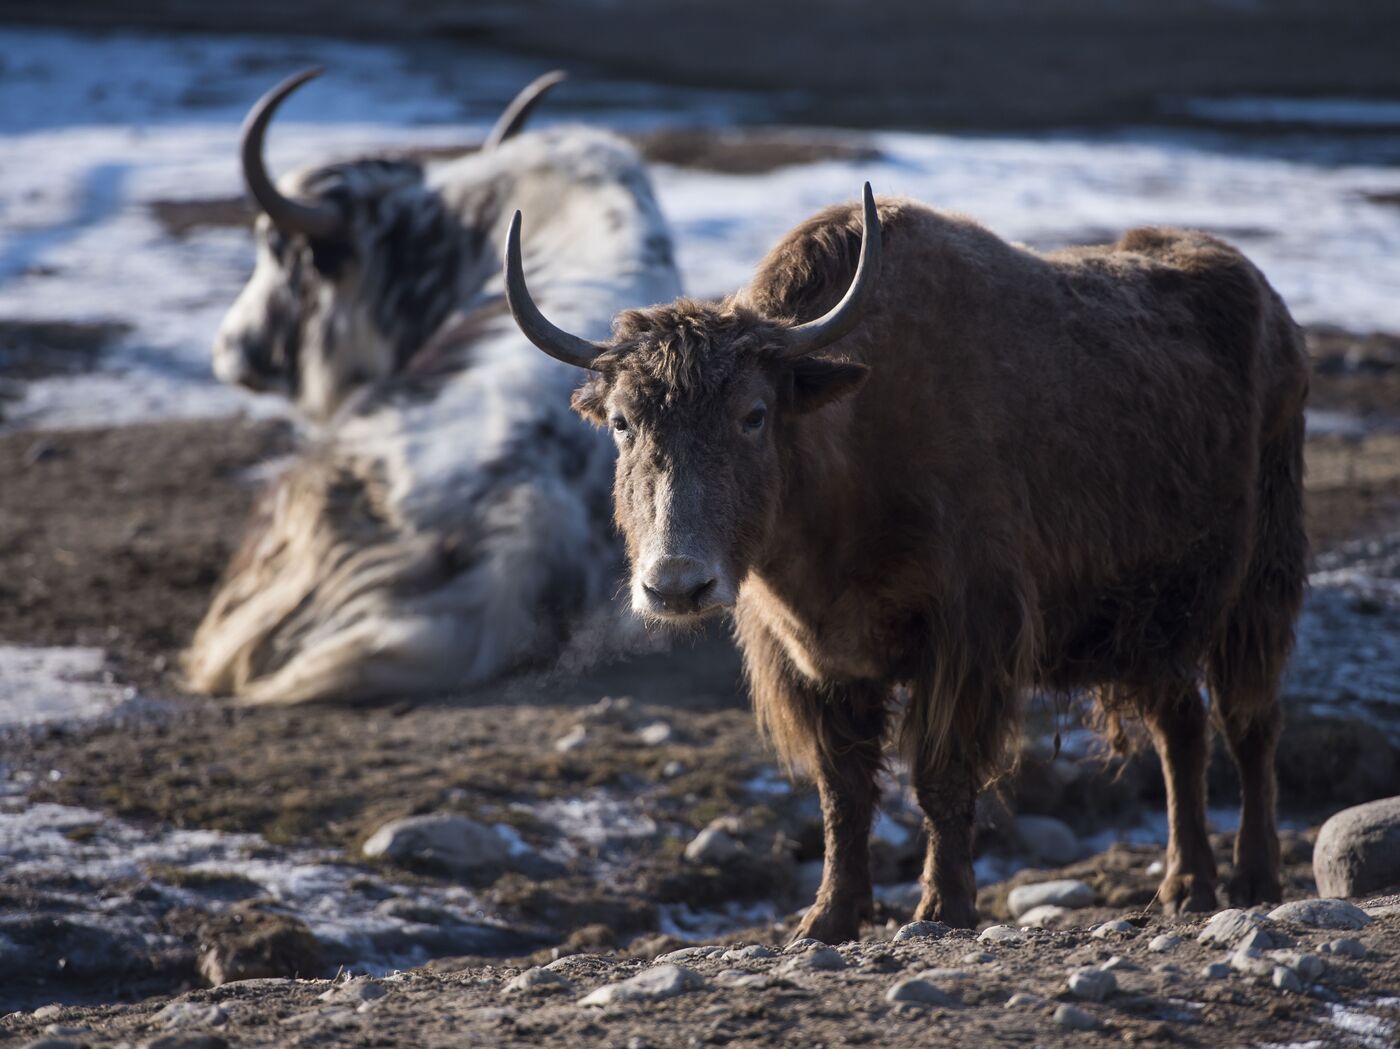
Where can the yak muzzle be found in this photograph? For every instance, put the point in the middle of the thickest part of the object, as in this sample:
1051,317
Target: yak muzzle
678,586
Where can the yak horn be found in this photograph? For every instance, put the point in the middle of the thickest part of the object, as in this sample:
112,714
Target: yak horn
320,220
842,318
513,117
556,342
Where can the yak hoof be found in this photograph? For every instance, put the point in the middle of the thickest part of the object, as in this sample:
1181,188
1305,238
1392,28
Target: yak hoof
956,914
832,924
1187,894
1247,887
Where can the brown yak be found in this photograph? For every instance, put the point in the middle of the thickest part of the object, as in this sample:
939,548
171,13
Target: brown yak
983,471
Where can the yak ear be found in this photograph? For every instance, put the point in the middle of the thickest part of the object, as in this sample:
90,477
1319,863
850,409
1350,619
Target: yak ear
817,382
590,401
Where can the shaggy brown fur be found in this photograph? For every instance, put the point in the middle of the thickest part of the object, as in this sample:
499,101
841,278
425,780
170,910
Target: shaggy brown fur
1068,471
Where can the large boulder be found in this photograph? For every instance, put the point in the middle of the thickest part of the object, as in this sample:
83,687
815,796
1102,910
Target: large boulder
1358,850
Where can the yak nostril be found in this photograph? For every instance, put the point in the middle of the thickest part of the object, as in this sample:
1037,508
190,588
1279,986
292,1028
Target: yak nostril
702,591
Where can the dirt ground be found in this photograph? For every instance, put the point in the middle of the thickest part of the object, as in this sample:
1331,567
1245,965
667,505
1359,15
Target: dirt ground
115,538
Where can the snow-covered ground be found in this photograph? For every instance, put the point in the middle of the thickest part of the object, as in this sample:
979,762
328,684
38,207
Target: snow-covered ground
95,127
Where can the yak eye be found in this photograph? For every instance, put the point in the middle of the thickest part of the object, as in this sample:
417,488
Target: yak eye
753,422
619,423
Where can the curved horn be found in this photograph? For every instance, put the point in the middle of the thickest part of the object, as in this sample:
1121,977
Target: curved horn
513,117
842,318
556,342
286,215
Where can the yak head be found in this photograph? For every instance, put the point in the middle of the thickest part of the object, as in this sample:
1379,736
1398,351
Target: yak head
357,265
699,396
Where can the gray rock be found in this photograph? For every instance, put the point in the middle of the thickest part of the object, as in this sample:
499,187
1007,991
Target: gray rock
1001,934
1308,966
920,992
686,954
539,981
1118,964
1215,971
978,958
1286,979
1345,947
1042,916
191,1014
445,840
1047,839
1024,1000
1322,914
1164,943
1062,892
575,739
807,943
712,845
1358,850
921,931
740,954
1251,962
1092,985
1262,938
656,733
818,958
1073,1018
1229,927
660,981
1117,927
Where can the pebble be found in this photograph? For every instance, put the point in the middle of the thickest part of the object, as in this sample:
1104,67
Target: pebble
818,958
712,846
661,981
1063,892
921,931
1117,927
575,739
1346,947
672,769
538,981
1047,839
685,954
361,989
191,1014
1322,914
1358,850
1164,943
445,840
1118,964
1092,985
1286,979
1023,999
807,943
978,958
656,733
1228,927
1001,934
1040,917
1216,971
1073,1018
1261,938
920,992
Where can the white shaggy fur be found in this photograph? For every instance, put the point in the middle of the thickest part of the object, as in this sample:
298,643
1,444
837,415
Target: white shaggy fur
453,519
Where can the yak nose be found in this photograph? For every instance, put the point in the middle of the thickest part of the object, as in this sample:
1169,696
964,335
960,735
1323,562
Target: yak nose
678,584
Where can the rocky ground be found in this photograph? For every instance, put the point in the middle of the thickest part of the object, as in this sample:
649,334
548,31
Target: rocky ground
503,863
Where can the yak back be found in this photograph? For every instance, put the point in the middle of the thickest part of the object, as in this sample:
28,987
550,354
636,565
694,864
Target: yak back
1080,433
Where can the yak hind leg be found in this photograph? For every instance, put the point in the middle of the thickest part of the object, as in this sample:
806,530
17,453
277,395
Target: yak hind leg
1176,719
